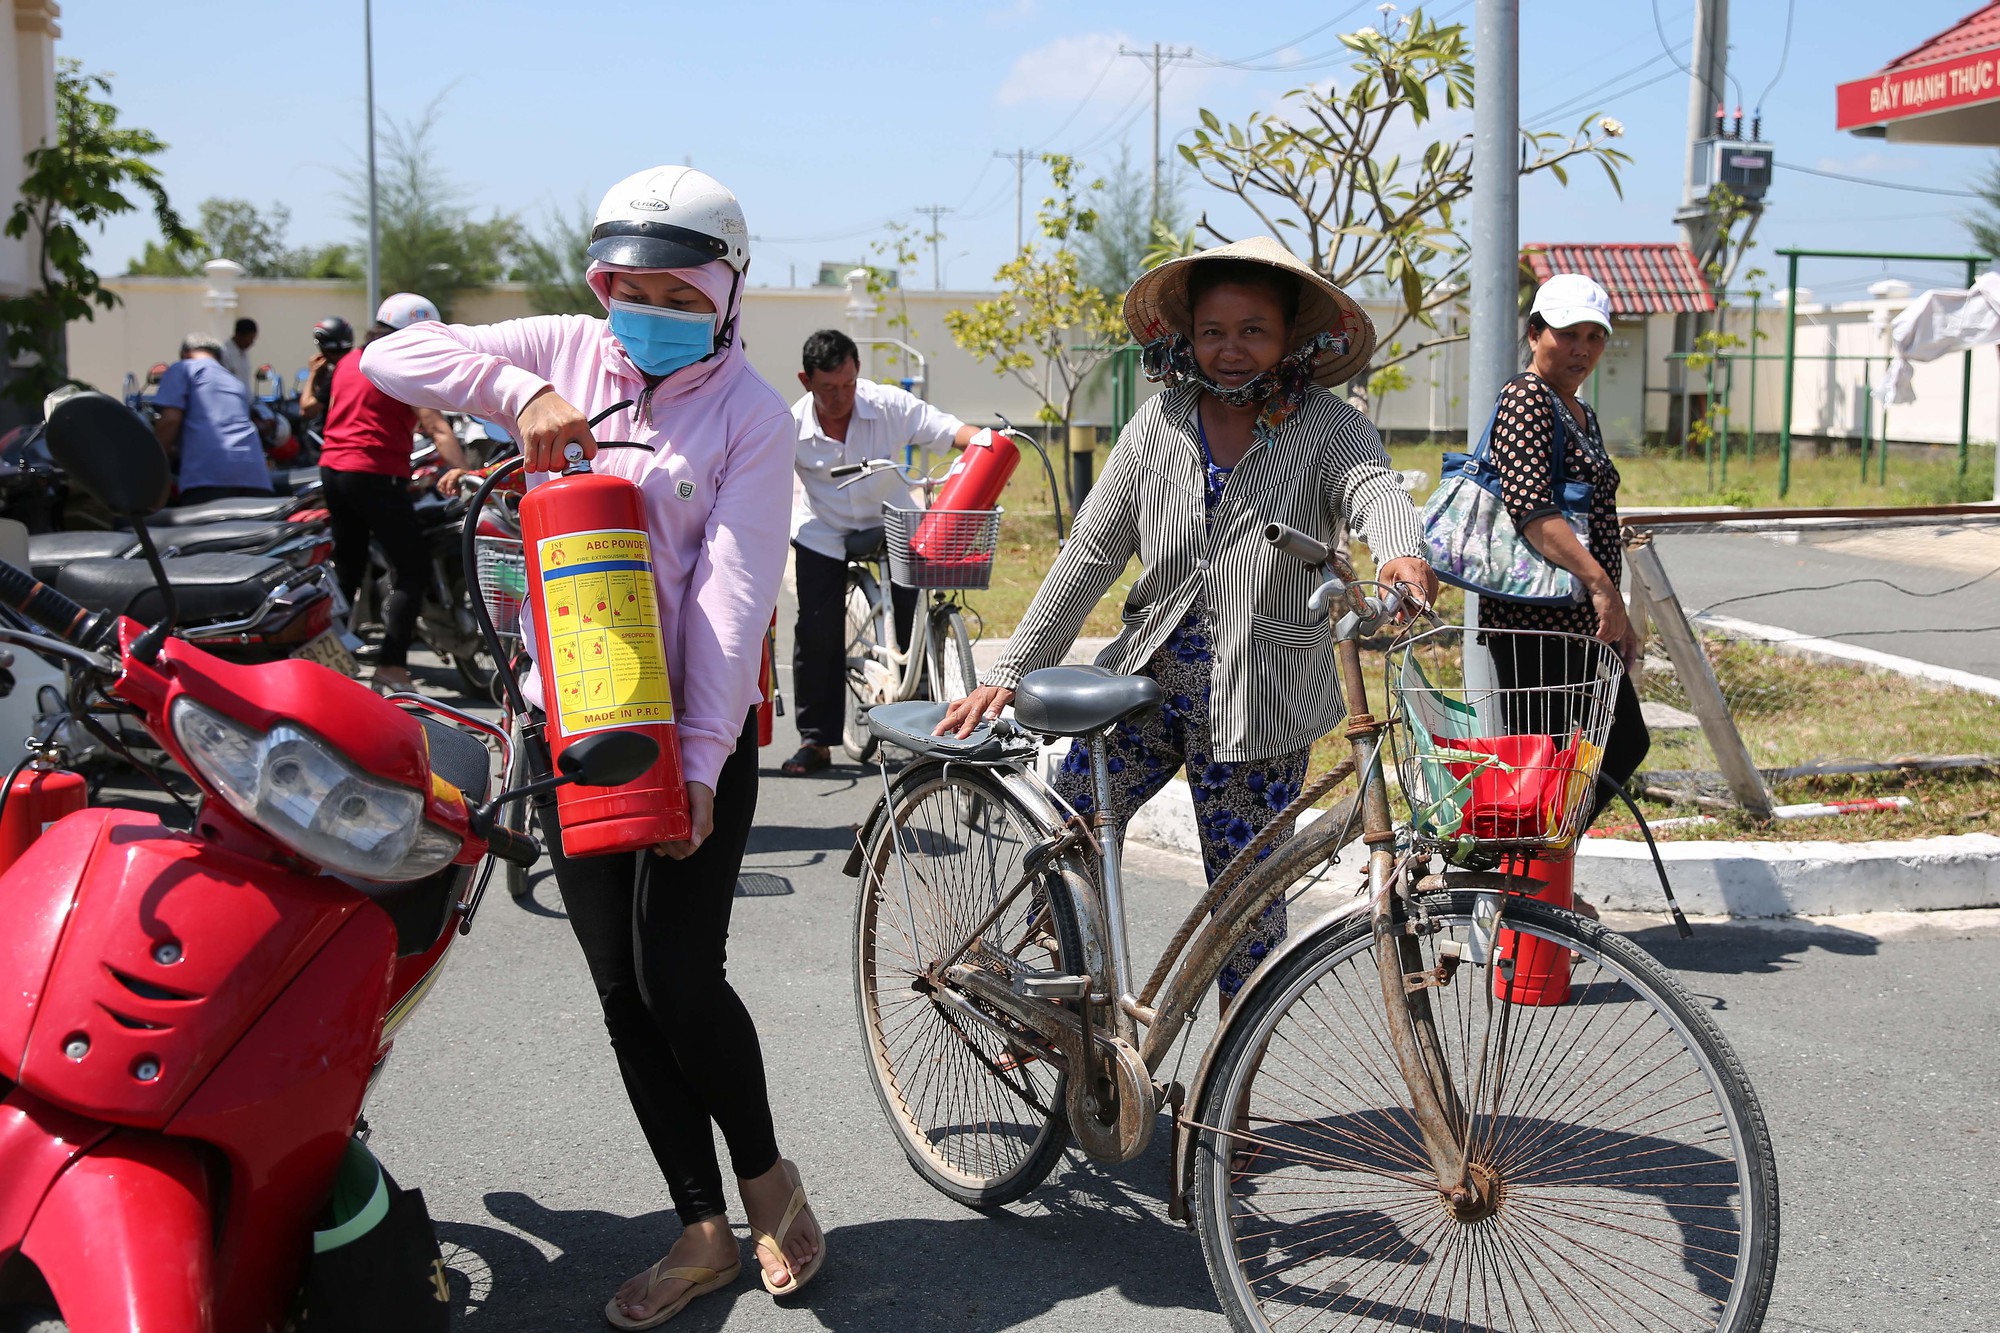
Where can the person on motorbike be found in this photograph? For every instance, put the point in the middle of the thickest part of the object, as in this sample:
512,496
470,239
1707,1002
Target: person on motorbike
844,418
668,251
334,337
204,425
364,469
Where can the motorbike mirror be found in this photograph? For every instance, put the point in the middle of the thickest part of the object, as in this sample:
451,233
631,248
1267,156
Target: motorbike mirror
111,452
609,759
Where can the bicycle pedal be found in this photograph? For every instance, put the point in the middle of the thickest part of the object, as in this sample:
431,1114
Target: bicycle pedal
1051,986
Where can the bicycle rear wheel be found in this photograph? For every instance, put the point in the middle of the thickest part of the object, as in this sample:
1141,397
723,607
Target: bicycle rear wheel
1627,1164
979,1116
863,669
949,664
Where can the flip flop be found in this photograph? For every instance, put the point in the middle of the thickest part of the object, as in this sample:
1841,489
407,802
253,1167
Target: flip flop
705,1280
809,759
777,1243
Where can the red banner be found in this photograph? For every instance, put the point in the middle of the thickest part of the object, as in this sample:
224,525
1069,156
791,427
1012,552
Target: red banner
1919,90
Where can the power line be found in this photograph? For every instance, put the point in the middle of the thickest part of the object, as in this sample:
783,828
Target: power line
1706,90
1784,54
1880,185
1629,89
1281,46
1587,94
1082,102
1160,58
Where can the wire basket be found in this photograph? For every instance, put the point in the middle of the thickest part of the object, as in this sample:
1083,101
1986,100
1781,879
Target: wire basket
941,548
1501,734
503,581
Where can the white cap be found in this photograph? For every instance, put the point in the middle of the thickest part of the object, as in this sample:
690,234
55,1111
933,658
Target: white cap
404,309
1572,298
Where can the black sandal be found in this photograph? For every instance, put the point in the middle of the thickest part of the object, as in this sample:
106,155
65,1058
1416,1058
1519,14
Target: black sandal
809,759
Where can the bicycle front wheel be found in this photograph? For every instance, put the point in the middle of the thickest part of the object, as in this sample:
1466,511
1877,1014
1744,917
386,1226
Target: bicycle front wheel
1625,1169
977,1111
949,657
863,669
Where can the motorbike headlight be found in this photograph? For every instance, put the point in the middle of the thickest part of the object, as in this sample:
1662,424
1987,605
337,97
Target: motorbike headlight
312,798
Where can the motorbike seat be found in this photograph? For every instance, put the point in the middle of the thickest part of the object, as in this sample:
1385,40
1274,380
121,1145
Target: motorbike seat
48,552
259,508
1080,700
207,587
421,909
228,535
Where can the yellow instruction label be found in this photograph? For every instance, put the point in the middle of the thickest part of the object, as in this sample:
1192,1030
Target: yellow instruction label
607,663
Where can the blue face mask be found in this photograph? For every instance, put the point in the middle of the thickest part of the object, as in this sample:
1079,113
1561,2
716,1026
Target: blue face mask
661,341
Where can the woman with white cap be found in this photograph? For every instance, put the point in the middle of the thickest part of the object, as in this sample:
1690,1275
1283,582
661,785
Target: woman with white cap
1542,434
667,253
1249,340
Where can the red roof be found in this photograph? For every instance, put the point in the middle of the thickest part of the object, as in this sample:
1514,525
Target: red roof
1644,277
1974,32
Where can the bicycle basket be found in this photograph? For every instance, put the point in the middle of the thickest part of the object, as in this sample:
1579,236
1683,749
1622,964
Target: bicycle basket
941,548
1501,733
503,581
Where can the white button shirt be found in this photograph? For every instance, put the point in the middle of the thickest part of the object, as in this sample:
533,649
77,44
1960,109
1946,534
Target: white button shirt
885,420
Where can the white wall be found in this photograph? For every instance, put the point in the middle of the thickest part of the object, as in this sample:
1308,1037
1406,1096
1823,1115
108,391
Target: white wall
27,115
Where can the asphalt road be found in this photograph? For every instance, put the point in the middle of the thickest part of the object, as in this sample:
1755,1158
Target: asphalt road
1873,1057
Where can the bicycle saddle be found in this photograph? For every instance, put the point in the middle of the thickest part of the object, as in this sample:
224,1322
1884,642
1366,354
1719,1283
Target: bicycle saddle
1080,700
909,725
866,544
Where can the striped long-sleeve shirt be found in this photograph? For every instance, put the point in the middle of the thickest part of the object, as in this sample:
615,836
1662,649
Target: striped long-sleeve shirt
1274,688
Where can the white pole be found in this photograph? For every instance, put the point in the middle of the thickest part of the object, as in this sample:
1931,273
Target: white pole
374,227
1496,250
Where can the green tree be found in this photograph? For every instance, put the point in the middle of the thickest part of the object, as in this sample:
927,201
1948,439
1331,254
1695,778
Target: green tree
235,229
1116,250
1985,224
1048,328
552,262
429,241
78,182
1322,175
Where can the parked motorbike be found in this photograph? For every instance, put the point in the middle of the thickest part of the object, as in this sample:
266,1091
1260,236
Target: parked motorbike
198,1017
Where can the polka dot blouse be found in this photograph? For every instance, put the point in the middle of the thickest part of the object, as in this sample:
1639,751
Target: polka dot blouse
1524,437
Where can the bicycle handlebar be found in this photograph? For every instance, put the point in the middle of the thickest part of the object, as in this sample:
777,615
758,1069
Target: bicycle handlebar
1292,542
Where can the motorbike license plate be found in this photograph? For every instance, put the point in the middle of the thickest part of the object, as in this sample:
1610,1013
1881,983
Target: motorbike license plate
327,650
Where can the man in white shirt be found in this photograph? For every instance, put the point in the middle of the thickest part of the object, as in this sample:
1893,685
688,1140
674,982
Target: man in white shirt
236,355
844,419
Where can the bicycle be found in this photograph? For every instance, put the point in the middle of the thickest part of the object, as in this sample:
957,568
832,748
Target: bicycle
944,552
501,577
1381,1132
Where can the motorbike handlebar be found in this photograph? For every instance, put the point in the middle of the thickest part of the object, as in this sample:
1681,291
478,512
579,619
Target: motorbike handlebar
519,848
50,609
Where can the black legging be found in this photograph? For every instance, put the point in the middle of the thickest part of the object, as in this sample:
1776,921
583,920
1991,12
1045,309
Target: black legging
1524,661
819,644
655,933
359,504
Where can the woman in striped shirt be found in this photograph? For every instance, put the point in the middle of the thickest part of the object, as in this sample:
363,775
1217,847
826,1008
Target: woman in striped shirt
1247,338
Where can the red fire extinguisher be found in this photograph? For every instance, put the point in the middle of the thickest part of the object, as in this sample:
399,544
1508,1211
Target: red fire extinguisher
974,482
39,795
602,658
770,704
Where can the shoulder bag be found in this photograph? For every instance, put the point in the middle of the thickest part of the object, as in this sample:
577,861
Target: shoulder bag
1472,539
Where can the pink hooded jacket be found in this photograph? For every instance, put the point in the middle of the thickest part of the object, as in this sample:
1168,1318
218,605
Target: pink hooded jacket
715,488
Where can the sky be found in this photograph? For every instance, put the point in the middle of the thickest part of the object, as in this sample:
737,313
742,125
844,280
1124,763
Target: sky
830,119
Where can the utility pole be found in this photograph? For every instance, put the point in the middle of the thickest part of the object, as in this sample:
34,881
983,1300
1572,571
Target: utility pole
374,228
934,212
1709,68
1159,57
1019,157
1496,193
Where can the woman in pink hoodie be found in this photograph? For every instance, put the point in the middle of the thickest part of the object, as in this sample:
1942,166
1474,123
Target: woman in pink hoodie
722,447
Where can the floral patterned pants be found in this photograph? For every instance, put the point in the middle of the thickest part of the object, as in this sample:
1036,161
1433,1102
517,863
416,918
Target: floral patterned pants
1232,802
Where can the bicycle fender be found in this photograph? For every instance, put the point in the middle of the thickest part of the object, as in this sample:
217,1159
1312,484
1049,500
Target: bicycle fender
864,836
1181,1163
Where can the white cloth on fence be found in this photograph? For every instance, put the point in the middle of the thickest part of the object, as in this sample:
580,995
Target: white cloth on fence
1938,323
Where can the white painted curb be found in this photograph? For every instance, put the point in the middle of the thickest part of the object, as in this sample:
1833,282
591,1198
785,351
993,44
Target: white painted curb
1742,879
1832,650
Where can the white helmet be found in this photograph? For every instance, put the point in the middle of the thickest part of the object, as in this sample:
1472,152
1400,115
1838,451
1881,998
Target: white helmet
670,217
406,308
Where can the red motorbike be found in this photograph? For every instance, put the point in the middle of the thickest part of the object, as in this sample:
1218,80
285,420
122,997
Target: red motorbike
190,1021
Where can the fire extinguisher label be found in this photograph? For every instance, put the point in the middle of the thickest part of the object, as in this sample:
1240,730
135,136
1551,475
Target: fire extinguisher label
610,667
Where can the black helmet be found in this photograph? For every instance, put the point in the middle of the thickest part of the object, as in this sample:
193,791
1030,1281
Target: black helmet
334,334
